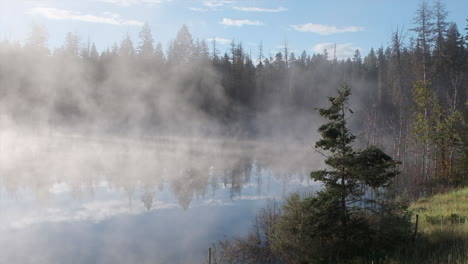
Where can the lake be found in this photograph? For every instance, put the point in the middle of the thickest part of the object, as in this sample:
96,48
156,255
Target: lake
76,199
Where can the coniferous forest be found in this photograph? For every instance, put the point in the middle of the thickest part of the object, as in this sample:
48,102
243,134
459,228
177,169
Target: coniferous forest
401,114
410,98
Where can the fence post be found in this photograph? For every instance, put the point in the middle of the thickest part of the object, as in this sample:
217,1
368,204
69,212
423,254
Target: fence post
416,227
209,256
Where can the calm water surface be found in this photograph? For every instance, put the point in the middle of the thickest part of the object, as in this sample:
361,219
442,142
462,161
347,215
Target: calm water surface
88,200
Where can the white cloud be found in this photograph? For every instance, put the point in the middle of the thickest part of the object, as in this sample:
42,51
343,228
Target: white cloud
258,9
343,51
217,3
240,23
198,9
62,14
222,41
134,2
325,29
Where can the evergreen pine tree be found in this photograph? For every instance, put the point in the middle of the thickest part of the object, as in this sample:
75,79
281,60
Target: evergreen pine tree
343,220
146,48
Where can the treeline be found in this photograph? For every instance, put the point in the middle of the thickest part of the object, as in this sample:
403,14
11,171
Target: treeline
412,95
354,218
211,170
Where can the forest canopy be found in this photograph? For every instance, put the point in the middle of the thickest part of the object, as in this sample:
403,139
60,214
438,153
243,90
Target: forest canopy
411,94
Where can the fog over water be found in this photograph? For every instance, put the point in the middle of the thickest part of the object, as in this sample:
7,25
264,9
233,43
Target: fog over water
134,157
110,200
153,150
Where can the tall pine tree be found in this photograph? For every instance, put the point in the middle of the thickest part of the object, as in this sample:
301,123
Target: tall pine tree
352,215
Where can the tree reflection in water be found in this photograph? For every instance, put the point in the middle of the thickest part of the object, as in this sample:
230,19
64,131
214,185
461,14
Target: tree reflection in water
189,169
129,201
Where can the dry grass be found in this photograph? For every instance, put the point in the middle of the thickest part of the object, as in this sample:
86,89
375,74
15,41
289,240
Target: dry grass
446,212
443,230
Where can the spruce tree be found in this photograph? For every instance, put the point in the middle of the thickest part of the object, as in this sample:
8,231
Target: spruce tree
353,215
146,47
353,173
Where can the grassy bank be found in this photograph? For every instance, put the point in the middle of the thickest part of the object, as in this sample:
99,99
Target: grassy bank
442,230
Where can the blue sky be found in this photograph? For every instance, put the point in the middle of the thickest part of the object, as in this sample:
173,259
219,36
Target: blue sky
306,25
